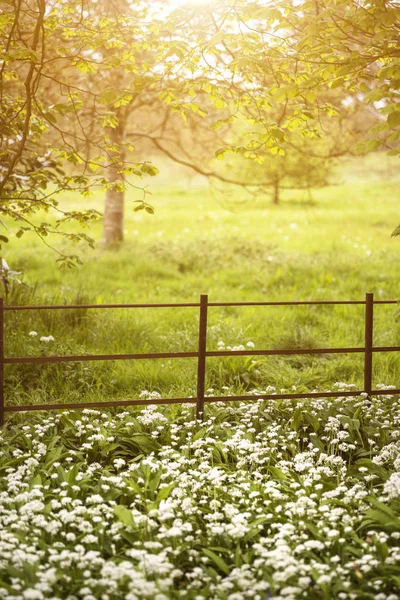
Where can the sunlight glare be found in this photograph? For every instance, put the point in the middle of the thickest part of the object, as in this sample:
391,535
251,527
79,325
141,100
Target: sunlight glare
189,3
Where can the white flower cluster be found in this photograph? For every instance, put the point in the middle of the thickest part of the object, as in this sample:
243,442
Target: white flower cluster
146,395
221,346
150,416
263,500
43,338
47,338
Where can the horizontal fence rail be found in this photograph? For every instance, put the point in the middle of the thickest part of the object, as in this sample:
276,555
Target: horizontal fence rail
193,304
201,354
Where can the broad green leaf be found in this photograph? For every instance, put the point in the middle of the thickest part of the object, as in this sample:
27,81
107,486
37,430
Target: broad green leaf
394,119
124,515
165,491
155,481
217,560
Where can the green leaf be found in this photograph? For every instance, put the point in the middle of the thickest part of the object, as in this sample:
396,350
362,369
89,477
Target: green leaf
311,96
396,232
109,120
238,556
217,560
123,100
394,136
372,467
155,481
280,95
129,536
9,588
370,145
394,119
313,529
384,508
292,91
297,419
220,154
396,580
135,487
201,432
37,480
219,103
382,515
337,82
53,456
377,517
124,515
227,551
108,96
145,443
277,150
86,67
164,492
251,534
277,473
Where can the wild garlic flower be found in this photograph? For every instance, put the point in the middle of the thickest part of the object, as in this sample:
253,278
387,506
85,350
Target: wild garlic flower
46,339
160,521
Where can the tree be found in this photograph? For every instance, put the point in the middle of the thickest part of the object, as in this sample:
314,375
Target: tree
57,129
340,44
305,158
289,76
31,171
77,76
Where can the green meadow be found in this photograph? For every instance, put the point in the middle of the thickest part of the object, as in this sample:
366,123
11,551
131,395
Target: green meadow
233,246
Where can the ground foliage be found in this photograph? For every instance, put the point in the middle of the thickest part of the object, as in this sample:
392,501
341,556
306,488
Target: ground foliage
263,500
335,248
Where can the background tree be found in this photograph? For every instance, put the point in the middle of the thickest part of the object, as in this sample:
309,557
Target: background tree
306,156
31,169
57,129
77,79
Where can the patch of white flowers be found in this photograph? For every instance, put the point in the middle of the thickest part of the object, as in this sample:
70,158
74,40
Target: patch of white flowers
221,346
47,338
43,338
282,500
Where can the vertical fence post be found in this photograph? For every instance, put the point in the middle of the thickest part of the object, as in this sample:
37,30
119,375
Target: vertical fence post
201,364
369,329
1,362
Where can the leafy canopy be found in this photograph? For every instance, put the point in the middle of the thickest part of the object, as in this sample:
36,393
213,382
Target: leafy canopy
70,69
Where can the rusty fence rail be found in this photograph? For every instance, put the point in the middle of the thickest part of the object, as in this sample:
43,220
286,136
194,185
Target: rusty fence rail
201,354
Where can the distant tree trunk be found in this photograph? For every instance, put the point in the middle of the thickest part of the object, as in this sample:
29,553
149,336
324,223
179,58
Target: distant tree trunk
276,190
113,224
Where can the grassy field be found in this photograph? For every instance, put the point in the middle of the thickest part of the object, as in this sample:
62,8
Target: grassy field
232,247
278,500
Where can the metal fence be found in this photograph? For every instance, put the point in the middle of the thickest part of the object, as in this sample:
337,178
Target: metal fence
201,354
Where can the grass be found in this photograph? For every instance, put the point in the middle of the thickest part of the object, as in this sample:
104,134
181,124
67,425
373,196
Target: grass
277,500
234,248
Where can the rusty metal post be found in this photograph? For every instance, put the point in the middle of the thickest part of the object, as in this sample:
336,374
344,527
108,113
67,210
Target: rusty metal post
201,365
1,362
369,330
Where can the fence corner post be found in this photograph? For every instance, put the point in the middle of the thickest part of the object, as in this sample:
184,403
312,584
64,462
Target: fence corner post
201,364
1,362
369,331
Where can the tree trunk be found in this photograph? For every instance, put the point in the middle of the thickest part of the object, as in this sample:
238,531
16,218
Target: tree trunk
276,191
113,224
